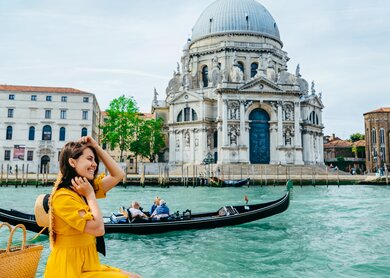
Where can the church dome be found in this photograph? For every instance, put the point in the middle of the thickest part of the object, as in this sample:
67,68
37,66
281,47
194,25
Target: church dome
235,16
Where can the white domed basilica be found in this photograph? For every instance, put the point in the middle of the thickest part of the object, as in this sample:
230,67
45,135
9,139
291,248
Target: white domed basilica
232,96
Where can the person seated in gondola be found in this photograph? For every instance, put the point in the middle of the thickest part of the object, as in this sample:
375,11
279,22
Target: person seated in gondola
136,212
162,211
155,205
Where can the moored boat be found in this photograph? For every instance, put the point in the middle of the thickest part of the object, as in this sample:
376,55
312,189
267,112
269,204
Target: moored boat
225,216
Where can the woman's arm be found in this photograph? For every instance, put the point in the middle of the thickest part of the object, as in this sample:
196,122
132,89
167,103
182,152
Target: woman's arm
94,226
116,173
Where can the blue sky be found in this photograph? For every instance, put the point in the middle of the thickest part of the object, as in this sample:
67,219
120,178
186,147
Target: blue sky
111,48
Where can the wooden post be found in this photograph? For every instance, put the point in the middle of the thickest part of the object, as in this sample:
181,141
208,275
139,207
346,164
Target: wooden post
27,174
314,173
6,176
22,181
182,173
265,176
37,181
286,174
16,175
301,174
1,175
277,173
338,177
327,176
142,178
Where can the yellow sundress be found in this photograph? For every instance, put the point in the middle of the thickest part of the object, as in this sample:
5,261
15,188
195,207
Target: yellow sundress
74,252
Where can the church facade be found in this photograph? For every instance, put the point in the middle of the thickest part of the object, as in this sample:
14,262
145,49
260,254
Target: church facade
232,98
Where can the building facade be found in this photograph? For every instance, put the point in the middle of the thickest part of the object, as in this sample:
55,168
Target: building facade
36,122
348,156
377,132
232,98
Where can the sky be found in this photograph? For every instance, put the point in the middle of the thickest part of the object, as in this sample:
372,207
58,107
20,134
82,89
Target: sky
129,47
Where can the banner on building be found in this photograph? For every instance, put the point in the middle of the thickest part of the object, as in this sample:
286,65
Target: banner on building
19,151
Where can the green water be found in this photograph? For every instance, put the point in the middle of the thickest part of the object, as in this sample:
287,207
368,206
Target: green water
326,232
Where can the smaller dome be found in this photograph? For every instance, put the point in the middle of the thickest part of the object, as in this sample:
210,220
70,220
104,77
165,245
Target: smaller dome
235,16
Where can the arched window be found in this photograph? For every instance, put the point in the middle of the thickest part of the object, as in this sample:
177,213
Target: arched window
194,115
373,136
180,117
62,134
313,118
46,132
8,135
241,66
205,76
254,67
31,133
84,131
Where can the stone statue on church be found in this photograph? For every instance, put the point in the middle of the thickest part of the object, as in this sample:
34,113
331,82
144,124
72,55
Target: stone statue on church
234,110
298,71
233,134
288,112
236,74
155,102
313,90
216,74
187,139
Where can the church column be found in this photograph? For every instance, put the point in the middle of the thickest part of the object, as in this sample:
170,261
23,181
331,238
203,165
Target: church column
280,124
247,68
171,114
297,117
182,145
242,123
224,124
204,145
220,107
192,145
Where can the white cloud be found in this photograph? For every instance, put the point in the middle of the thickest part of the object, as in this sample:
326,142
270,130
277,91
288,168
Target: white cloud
129,47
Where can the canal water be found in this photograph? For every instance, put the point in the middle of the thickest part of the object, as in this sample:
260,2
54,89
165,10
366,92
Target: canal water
326,232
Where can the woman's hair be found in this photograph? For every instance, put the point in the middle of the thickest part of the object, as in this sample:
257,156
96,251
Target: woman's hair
73,150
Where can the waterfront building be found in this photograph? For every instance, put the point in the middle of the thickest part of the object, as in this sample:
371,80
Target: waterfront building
36,122
232,98
377,130
345,154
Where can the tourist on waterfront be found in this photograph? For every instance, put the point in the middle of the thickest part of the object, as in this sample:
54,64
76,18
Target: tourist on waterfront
161,211
136,212
155,205
76,219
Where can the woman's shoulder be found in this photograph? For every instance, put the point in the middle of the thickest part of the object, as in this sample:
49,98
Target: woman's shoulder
62,192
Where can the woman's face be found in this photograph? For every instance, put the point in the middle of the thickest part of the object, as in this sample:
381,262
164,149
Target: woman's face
85,165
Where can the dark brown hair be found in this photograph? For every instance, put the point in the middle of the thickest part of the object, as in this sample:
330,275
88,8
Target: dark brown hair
73,150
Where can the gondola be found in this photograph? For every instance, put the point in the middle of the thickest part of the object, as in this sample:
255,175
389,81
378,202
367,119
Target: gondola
225,216
228,183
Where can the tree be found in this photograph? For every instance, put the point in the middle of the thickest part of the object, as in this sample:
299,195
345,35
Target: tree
356,137
119,127
150,139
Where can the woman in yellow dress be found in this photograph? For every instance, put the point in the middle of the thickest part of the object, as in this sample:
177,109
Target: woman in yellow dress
76,219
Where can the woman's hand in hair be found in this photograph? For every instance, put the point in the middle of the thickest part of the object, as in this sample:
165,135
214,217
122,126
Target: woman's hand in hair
89,140
82,186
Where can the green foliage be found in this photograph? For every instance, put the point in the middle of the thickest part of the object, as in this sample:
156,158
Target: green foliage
356,137
118,128
124,128
150,139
